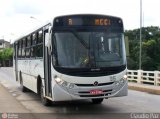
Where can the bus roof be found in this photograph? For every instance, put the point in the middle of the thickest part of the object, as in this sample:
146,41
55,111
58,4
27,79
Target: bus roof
66,17
87,15
32,30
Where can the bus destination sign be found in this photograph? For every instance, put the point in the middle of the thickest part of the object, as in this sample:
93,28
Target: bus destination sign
94,22
102,22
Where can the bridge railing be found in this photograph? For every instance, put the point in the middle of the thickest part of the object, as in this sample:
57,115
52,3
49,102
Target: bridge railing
144,77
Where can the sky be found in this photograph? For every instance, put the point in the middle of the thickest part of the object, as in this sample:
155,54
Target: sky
20,16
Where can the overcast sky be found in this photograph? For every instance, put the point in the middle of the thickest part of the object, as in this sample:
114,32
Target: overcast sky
15,14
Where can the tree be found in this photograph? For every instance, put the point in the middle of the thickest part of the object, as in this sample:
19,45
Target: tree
6,54
150,48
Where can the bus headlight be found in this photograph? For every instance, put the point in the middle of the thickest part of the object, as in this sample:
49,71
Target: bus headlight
64,83
58,80
125,77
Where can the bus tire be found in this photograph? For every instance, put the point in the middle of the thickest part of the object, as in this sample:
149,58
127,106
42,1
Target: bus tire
24,89
97,101
44,100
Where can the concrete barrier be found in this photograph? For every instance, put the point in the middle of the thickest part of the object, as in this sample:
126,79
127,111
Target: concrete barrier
144,77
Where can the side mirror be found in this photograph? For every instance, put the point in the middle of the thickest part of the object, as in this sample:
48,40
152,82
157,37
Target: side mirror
46,39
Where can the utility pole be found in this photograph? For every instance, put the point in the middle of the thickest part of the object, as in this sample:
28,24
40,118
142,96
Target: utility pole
140,48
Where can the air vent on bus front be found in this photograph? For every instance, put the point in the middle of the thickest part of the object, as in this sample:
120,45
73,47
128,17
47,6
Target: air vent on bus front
100,84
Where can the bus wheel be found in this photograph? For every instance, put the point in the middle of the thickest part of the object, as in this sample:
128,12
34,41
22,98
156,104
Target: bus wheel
44,100
97,101
24,89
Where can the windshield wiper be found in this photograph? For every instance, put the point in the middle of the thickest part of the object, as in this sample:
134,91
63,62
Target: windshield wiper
80,40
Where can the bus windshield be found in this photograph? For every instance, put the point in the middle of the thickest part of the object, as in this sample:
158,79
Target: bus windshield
89,49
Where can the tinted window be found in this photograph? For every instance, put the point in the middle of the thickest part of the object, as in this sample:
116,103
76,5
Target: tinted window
39,50
28,41
27,52
19,48
34,39
40,36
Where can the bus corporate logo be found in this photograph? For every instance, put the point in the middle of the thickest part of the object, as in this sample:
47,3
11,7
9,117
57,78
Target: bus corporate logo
95,83
4,115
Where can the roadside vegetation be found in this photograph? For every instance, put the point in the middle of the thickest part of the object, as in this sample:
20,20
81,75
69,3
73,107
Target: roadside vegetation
6,56
150,48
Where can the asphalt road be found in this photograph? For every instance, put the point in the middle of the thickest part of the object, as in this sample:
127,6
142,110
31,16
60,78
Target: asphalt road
135,102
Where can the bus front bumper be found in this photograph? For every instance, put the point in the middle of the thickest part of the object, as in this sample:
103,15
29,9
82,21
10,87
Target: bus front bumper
64,94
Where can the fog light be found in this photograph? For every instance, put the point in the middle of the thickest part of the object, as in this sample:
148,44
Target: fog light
64,84
121,81
71,85
117,83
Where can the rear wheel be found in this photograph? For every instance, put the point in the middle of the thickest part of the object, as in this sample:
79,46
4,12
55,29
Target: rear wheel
44,100
24,89
97,101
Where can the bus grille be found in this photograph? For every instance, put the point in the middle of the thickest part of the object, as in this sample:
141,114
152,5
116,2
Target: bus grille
100,84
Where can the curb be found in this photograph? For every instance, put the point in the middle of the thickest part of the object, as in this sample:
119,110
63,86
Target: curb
144,88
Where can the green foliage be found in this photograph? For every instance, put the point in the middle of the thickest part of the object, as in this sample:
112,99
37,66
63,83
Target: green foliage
150,48
6,54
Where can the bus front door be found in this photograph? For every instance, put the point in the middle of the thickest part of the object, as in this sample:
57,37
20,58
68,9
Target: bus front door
47,65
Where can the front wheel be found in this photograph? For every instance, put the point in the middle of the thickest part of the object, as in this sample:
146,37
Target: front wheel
44,100
97,101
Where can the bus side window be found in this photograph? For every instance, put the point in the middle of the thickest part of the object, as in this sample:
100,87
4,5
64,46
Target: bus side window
34,39
28,41
39,50
39,46
19,49
23,48
40,36
33,47
27,52
33,51
28,47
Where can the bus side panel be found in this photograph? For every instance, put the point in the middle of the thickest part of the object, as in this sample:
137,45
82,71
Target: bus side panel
36,69
23,66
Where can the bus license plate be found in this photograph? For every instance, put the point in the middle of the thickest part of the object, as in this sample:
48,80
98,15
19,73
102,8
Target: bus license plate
96,92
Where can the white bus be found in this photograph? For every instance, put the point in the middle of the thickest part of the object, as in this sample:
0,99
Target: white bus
72,58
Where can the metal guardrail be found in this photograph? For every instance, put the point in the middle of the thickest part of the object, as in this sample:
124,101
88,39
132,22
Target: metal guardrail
144,77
